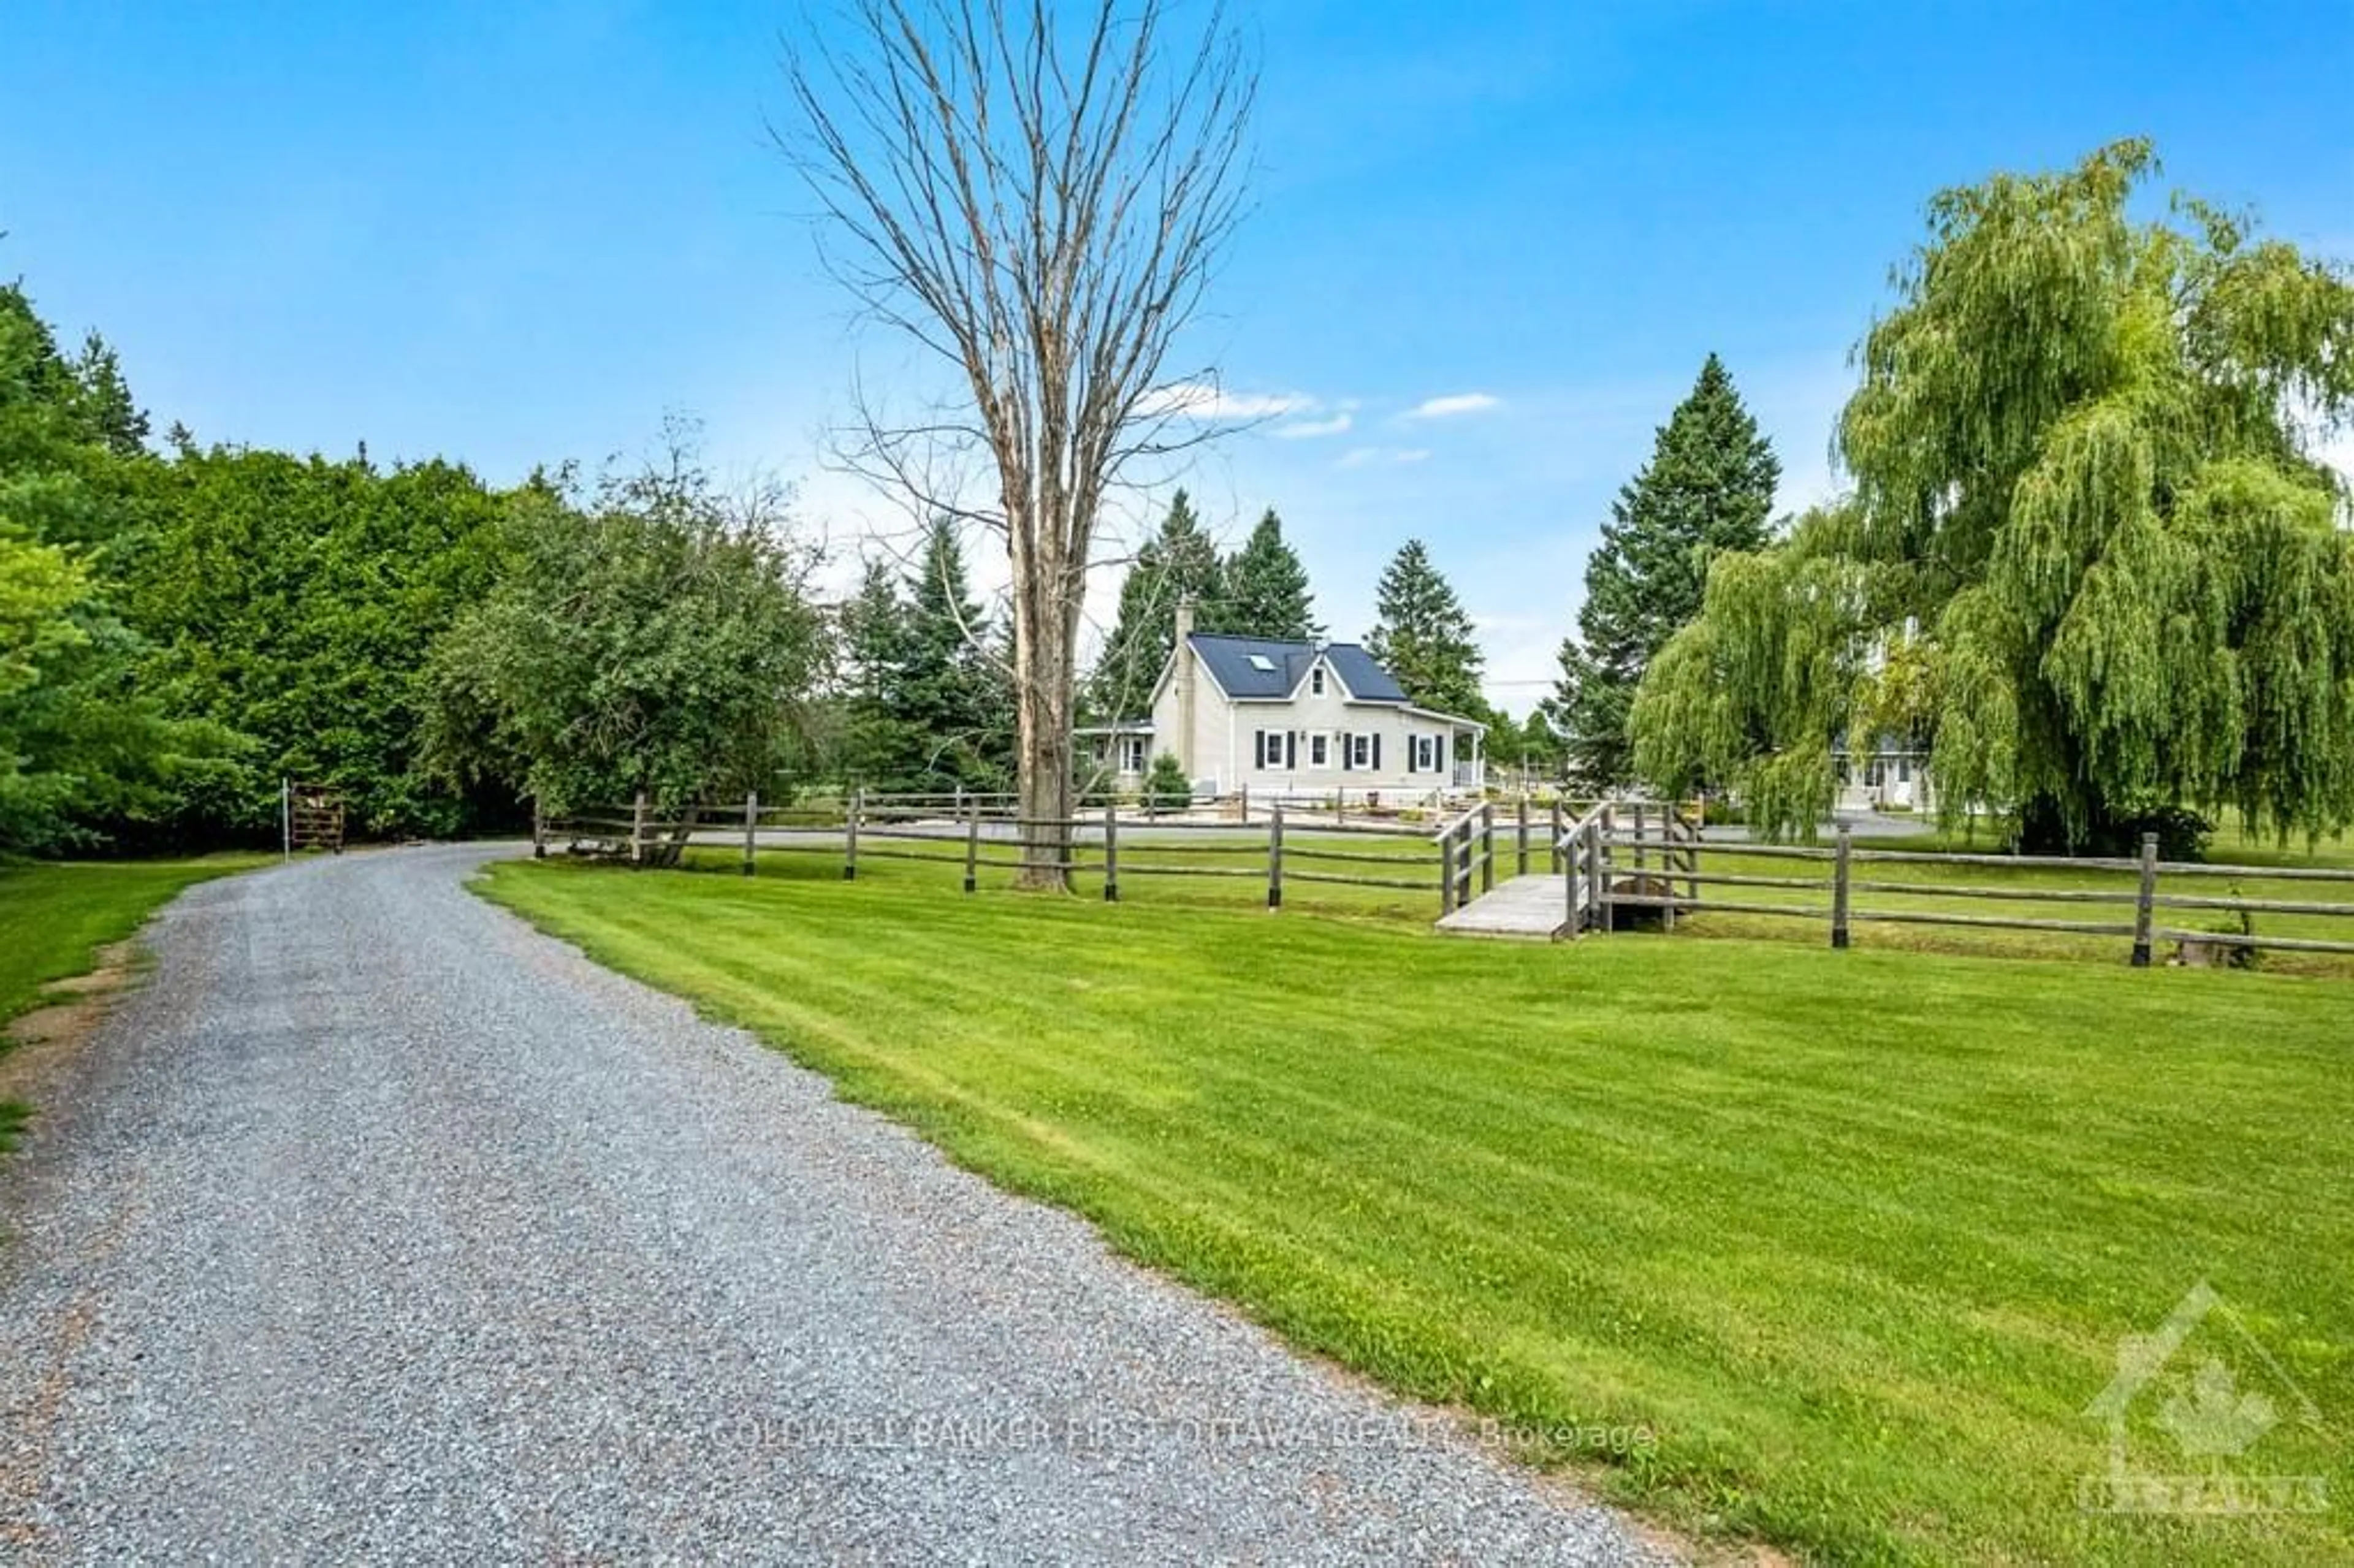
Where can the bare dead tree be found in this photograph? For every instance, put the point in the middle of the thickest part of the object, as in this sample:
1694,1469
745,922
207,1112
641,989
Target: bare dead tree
1036,193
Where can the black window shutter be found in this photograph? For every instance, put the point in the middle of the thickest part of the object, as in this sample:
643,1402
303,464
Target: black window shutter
1377,751
1438,753
1258,749
1345,765
1291,748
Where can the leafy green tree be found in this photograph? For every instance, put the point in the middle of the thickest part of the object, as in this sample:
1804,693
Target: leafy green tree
654,638
1424,638
1263,590
2085,523
1178,562
84,751
1527,745
1706,491
292,601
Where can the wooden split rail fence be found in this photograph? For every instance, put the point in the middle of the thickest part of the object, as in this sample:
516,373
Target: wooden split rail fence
1613,869
1280,841
1617,860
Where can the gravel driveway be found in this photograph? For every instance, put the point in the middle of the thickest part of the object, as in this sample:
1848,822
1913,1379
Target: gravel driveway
377,1227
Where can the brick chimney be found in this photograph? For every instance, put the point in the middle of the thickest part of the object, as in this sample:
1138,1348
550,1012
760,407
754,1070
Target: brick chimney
1182,679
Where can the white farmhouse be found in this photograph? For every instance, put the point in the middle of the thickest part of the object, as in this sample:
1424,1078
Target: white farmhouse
1259,714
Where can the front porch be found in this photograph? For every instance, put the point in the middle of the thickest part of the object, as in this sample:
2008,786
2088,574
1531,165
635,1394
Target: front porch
1469,747
1121,752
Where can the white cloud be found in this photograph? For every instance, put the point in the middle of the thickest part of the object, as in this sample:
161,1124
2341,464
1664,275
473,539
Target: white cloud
1458,403
1207,401
1309,429
1524,650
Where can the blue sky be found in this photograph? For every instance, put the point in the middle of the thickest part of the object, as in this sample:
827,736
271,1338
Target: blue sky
522,232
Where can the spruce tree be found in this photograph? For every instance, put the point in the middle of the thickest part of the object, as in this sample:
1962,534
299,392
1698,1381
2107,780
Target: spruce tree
1425,637
874,646
105,399
950,691
1707,490
1266,592
1178,562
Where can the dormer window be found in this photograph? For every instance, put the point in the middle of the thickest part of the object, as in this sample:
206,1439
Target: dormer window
1315,682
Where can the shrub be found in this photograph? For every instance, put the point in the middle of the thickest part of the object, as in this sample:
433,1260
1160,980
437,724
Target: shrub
1166,788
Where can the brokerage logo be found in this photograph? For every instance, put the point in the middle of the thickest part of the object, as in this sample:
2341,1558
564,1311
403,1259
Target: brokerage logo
2188,1413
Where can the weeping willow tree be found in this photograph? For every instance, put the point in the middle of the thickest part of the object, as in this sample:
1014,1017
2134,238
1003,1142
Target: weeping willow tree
2089,560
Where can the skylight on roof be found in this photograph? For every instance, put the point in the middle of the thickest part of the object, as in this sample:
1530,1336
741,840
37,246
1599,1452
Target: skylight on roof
1260,661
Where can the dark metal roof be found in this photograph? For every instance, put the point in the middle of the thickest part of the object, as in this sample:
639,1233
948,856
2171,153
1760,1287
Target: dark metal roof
1230,662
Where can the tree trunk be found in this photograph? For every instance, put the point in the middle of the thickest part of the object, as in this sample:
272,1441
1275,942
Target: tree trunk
1045,682
665,853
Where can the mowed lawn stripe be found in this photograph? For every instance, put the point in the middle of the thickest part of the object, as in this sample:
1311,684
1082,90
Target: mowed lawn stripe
1855,1233
1859,1137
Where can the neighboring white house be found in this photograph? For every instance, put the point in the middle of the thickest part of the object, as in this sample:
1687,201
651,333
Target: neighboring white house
1289,718
1890,773
1887,778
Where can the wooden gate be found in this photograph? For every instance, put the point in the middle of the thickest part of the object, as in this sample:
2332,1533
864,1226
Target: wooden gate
312,817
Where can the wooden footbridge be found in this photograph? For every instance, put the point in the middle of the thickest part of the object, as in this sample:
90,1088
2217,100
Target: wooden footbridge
1622,855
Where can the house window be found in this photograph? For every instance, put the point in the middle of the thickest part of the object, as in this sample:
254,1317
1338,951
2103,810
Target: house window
1426,753
1360,751
1262,663
1315,682
1131,754
1319,750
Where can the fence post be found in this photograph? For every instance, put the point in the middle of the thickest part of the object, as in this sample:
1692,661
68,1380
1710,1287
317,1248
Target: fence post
1839,885
2144,907
751,827
1487,846
971,846
1569,886
1601,853
1112,853
1447,873
1242,797
1642,863
538,831
1560,828
1668,867
1275,858
1524,861
1692,840
637,831
850,836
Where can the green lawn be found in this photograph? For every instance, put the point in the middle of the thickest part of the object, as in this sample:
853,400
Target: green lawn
56,915
1854,1235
